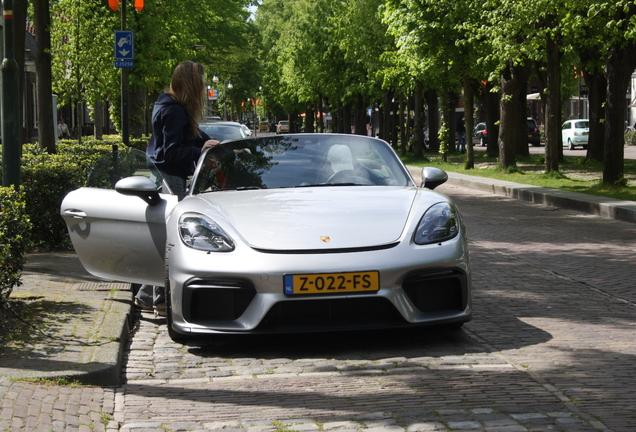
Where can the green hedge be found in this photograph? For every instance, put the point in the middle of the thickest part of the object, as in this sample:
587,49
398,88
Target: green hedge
14,239
46,178
31,217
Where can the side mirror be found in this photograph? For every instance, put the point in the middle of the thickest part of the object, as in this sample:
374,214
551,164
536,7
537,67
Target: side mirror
433,177
141,187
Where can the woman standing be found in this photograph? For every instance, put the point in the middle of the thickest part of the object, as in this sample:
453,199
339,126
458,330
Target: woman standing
175,147
177,142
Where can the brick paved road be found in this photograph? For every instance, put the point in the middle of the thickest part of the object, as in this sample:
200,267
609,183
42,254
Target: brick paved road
551,347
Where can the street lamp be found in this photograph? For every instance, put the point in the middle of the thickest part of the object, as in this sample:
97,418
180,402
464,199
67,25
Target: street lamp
227,86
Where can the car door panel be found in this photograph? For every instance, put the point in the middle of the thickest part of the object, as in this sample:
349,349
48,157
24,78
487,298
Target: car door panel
118,237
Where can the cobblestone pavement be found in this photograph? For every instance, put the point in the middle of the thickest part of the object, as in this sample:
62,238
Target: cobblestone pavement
551,348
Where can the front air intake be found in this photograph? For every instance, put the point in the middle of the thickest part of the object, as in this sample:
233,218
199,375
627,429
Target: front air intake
216,299
438,292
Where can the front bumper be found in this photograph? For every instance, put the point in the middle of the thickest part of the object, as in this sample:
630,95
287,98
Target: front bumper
242,291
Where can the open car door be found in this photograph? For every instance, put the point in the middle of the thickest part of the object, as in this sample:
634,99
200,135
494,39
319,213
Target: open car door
120,237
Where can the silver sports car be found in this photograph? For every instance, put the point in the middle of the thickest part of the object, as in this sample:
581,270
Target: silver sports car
288,233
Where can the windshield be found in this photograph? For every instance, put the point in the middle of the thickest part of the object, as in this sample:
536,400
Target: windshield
223,132
304,160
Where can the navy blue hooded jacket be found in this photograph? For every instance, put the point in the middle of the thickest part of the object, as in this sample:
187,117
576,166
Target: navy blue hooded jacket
172,148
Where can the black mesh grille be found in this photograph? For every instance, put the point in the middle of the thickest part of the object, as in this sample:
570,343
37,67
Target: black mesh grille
341,314
216,300
437,292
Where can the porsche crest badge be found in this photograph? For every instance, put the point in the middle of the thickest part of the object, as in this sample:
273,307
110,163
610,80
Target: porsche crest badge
325,239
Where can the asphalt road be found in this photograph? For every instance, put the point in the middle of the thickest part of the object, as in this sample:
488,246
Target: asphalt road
551,347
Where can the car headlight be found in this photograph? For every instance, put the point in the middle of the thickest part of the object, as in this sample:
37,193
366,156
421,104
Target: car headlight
439,223
200,232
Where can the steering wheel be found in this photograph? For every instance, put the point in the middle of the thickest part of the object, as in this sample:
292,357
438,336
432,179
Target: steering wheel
348,176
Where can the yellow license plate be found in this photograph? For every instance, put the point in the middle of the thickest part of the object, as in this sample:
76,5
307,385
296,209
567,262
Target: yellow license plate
332,283
586,133
529,136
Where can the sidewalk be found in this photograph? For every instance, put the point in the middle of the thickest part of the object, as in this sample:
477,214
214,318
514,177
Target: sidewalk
86,321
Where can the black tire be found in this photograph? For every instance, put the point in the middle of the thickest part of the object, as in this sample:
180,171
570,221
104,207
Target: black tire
570,145
482,141
135,289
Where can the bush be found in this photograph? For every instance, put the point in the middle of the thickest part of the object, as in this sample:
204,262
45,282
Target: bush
47,178
31,217
14,241
136,143
630,138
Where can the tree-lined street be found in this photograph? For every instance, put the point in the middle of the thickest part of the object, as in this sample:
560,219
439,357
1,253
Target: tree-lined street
551,347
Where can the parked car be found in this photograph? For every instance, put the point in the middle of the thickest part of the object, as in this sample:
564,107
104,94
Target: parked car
263,125
282,127
275,236
247,130
223,131
480,134
534,133
575,133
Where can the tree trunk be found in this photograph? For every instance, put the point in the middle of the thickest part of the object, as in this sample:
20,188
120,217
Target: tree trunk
293,122
468,122
433,119
395,124
346,119
98,120
385,122
450,121
522,148
136,110
553,106
619,65
360,117
321,113
491,104
596,94
403,125
418,125
309,118
42,22
513,79
521,140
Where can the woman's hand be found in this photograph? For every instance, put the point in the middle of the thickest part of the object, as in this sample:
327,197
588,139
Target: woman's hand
209,144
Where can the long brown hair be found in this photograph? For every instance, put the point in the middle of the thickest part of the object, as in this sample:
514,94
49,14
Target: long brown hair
188,88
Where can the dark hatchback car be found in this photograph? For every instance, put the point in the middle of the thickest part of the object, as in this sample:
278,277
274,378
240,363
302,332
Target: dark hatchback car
534,134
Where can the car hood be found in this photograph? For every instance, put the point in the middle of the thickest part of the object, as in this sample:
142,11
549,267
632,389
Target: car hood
317,218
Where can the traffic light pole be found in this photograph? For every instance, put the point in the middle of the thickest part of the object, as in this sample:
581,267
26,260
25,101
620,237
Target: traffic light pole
124,87
11,148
